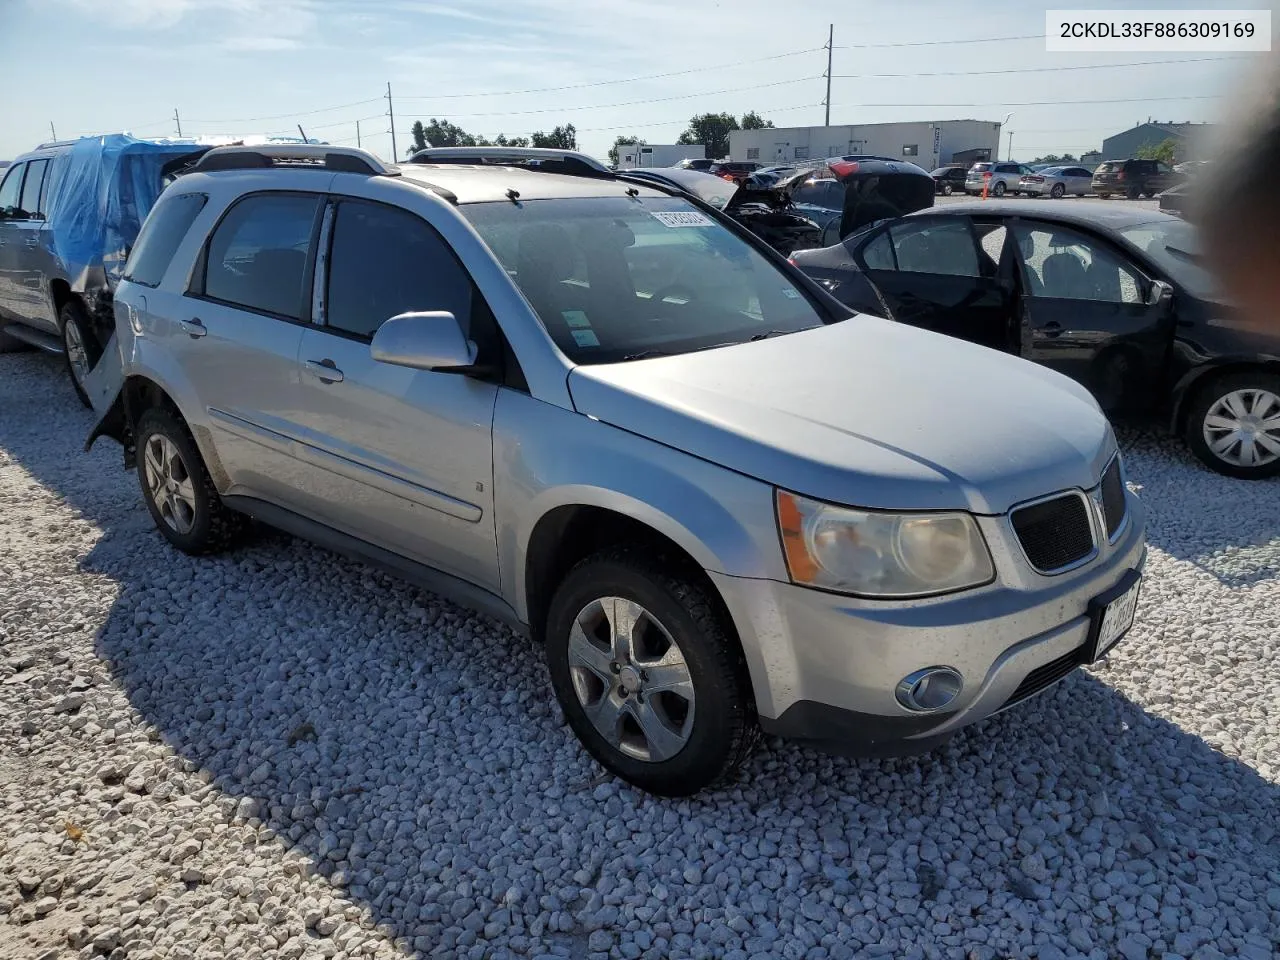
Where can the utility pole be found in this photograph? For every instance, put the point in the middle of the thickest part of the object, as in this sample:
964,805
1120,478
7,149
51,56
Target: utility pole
391,112
177,120
831,39
52,132
357,133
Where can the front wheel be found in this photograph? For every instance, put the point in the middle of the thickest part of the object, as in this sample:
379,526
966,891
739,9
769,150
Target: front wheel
176,485
999,189
648,673
947,190
79,346
1233,425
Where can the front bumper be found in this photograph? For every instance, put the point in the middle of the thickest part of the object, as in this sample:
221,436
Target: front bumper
825,667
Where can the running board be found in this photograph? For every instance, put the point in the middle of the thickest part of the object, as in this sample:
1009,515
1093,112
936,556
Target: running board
41,341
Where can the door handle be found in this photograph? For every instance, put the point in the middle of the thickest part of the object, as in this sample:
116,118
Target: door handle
1052,329
193,328
326,371
31,241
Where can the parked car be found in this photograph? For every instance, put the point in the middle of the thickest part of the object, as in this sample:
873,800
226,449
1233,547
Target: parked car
1056,182
846,193
1176,198
762,204
1114,297
1132,178
735,170
69,212
695,163
1004,177
949,180
612,417
1191,167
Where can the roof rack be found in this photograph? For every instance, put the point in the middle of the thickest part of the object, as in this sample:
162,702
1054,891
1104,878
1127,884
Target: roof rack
563,161
306,155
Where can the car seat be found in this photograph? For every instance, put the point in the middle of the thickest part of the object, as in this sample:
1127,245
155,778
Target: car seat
1066,278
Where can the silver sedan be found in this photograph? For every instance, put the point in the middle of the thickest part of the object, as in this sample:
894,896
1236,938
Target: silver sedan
1056,182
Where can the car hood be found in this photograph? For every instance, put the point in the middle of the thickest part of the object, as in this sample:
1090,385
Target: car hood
865,412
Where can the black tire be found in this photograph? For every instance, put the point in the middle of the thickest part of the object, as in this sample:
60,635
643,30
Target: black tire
213,526
1204,400
1058,191
73,317
1105,196
999,189
724,730
947,190
1133,193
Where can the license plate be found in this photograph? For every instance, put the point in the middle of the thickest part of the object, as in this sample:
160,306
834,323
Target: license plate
1113,614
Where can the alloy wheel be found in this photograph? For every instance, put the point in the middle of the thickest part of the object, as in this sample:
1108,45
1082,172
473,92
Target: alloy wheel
631,679
1242,428
169,483
77,355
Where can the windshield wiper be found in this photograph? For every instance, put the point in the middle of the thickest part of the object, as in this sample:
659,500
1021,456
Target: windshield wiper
767,334
1184,255
646,354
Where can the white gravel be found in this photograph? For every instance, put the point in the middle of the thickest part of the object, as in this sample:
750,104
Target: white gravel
281,753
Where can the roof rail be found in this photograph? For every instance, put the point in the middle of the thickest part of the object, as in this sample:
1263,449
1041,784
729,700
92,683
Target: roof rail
514,156
314,155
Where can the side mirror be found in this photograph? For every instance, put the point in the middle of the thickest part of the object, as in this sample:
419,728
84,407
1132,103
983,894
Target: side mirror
423,341
1160,294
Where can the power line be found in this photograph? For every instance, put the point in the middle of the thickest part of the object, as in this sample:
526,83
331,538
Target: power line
635,103
936,43
289,116
605,83
974,73
1032,103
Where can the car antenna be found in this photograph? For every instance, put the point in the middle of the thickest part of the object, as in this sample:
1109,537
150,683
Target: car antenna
513,194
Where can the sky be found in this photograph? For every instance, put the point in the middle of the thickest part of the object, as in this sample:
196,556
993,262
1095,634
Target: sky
609,67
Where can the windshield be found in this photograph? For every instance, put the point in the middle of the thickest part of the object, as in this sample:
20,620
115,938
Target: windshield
615,278
1173,245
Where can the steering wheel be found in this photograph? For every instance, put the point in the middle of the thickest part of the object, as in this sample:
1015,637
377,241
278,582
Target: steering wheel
685,291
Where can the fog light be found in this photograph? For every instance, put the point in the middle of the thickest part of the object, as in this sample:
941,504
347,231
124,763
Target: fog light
932,688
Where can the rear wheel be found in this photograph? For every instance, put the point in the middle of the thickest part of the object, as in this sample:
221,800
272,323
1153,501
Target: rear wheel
1105,196
648,673
1058,191
177,488
1233,425
80,346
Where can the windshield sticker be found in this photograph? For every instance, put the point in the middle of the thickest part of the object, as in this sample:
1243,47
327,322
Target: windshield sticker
681,218
575,318
585,338
791,293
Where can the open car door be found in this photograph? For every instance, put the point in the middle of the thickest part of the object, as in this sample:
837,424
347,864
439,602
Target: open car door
943,273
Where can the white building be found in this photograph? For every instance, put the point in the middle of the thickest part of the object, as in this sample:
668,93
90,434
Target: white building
632,155
927,144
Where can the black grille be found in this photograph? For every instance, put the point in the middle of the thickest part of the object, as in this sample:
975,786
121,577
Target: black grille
1056,533
1113,505
1044,676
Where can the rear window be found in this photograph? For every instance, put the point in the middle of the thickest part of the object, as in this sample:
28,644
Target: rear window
1107,168
980,168
615,279
161,235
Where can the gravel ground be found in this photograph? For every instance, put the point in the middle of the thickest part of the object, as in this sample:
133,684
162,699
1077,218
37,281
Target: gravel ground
281,753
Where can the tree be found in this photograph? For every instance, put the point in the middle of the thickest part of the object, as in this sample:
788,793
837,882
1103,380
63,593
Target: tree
711,129
561,138
613,151
1054,158
1166,152
502,141
753,121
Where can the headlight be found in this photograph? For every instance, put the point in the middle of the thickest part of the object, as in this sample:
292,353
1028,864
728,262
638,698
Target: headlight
878,554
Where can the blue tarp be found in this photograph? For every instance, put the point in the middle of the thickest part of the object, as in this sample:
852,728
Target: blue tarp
102,190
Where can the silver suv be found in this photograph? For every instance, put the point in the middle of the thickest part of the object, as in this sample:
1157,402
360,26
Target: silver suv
1003,177
611,417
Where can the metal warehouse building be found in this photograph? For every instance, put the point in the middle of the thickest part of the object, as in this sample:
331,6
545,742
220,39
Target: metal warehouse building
928,144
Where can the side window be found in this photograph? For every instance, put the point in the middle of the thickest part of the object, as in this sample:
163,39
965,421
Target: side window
1065,265
257,256
993,237
878,254
386,261
940,246
10,190
1164,168
163,231
30,203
